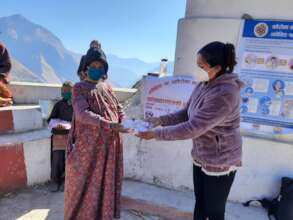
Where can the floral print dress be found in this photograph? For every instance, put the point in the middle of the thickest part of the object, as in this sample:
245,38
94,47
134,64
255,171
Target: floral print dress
94,165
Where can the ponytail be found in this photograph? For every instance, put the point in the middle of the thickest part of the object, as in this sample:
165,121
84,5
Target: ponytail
230,57
218,53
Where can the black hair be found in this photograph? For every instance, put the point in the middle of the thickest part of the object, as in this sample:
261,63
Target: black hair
2,76
95,42
218,53
67,84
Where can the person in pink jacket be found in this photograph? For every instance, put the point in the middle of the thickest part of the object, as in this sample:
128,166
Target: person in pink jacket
212,120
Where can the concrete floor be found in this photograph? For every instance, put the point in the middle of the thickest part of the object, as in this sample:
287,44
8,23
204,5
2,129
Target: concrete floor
184,201
37,203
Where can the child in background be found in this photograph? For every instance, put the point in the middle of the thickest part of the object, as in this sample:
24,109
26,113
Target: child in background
61,111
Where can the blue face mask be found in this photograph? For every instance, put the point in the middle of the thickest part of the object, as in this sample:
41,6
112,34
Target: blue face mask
96,74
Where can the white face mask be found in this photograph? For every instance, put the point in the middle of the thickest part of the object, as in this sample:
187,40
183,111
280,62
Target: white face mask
202,74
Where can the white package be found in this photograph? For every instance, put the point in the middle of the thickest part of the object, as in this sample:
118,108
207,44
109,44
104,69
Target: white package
136,125
55,122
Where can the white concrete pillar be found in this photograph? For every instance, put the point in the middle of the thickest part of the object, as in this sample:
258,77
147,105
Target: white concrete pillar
211,20
260,9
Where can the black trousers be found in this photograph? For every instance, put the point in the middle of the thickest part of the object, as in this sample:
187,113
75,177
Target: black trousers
211,194
58,166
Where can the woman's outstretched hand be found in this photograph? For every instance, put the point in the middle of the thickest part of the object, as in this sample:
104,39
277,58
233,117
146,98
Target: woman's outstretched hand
147,135
154,121
117,127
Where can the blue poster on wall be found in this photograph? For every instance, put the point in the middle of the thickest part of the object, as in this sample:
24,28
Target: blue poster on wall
265,64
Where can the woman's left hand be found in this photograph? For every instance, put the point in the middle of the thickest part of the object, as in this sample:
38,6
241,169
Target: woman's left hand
147,135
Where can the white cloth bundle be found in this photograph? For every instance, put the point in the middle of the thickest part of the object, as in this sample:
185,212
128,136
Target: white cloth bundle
136,125
55,122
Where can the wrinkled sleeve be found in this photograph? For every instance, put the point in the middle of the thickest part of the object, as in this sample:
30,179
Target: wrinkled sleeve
82,111
174,118
213,111
121,113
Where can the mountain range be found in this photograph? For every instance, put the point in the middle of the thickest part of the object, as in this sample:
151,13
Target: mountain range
39,56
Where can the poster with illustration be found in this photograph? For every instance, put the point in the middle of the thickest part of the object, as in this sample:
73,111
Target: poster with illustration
265,64
164,95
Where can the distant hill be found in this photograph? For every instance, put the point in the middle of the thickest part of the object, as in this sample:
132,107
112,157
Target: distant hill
22,73
38,49
127,71
38,55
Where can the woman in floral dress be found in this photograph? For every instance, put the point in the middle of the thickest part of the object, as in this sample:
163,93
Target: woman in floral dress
94,165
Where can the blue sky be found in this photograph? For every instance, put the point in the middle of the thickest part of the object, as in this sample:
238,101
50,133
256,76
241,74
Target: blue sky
127,28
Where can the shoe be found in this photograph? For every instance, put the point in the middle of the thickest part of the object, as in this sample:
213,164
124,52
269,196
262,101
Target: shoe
54,187
61,188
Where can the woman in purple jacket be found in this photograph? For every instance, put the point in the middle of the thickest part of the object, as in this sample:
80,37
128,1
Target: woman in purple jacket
211,119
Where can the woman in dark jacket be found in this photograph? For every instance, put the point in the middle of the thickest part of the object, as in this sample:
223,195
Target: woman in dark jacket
212,120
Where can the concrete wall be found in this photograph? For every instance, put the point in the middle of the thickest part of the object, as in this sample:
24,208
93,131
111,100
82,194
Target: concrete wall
264,164
20,118
32,93
37,160
29,93
194,33
25,159
169,164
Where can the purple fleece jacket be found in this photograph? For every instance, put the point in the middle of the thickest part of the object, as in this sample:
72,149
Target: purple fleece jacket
211,119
